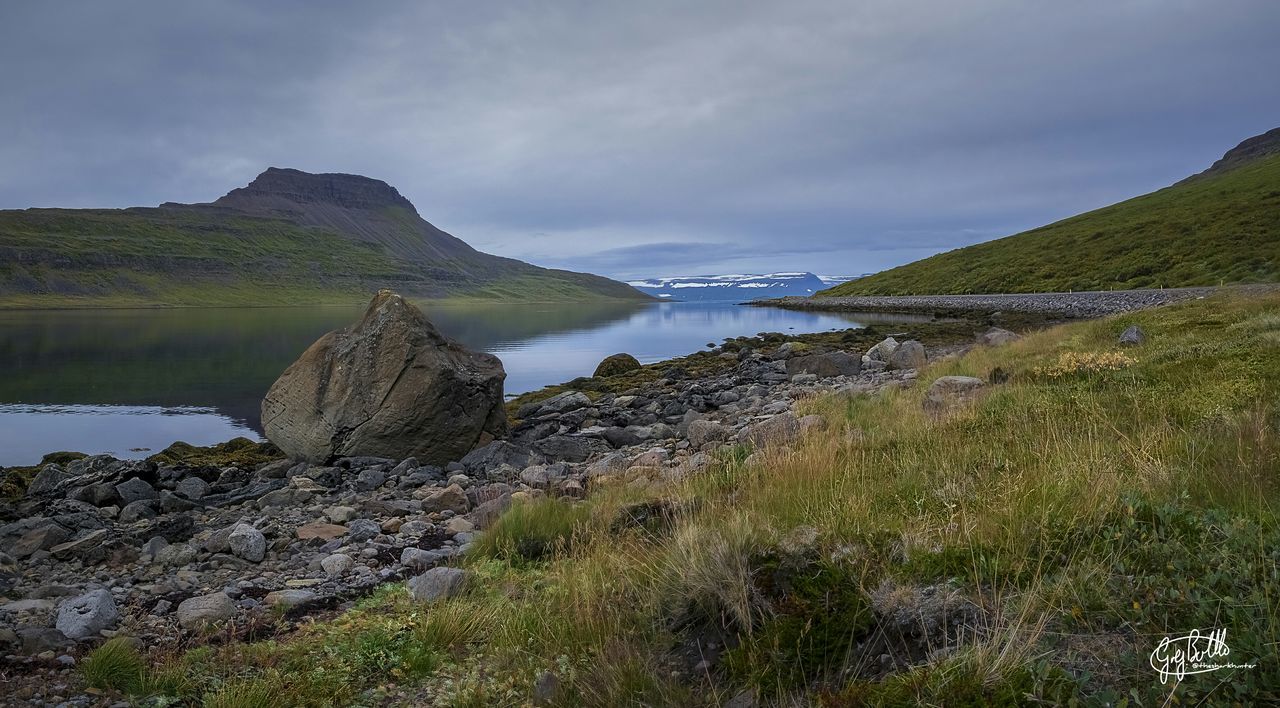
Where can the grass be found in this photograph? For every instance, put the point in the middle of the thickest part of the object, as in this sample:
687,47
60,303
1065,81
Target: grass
1215,229
1031,548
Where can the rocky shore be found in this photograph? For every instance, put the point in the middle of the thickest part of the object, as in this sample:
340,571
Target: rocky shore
173,551
1065,305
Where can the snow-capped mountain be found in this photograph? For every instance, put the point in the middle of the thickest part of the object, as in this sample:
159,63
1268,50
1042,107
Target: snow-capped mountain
736,287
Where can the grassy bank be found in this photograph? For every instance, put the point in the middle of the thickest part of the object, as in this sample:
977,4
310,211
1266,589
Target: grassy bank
1031,548
1214,229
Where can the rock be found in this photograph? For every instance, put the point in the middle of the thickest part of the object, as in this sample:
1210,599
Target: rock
419,559
570,448
882,350
337,564
457,525
995,337
86,615
192,488
812,423
340,514
390,385
496,454
781,429
320,530
41,639
170,502
134,490
908,355
485,514
39,539
35,605
370,479
948,392
437,584
362,530
175,555
204,610
702,432
136,511
564,402
451,498
48,479
825,365
86,547
248,543
289,599
546,688
1132,336
617,364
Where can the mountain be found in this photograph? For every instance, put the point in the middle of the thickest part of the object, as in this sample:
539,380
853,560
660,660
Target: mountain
1219,226
288,237
734,288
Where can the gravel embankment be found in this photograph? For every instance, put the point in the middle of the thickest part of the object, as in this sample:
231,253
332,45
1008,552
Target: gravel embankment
1082,304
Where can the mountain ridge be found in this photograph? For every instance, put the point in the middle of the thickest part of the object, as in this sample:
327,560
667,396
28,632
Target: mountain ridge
1221,226
287,237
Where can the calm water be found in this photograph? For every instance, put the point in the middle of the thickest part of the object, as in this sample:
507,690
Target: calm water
129,382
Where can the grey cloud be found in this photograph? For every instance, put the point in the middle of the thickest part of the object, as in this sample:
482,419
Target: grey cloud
833,136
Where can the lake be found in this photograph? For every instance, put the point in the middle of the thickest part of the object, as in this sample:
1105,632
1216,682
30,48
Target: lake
130,382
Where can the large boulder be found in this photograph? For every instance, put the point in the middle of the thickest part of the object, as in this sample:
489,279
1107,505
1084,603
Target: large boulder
825,365
950,392
908,355
389,385
617,364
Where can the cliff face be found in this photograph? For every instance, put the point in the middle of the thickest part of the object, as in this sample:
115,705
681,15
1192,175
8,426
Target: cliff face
288,237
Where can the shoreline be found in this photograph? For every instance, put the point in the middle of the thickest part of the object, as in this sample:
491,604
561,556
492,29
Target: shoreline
1070,305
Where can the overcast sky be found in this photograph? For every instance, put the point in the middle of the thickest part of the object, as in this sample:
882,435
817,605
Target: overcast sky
645,138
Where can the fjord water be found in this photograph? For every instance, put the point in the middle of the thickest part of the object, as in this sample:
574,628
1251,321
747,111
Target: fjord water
130,382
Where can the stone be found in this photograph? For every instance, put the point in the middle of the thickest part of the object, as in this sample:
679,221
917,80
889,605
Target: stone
570,448
420,559
812,423
702,432
451,498
1132,336
170,502
135,489
908,355
136,511
535,476
39,539
248,543
175,555
781,429
320,530
995,337
33,605
949,392
370,479
616,364
340,514
437,584
362,530
485,514
882,350
825,365
48,479
289,599
337,564
458,524
205,610
563,403
86,547
389,385
86,615
40,639
192,488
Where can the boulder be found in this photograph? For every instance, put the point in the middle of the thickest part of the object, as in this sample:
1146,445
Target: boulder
389,385
451,498
248,543
781,429
908,355
825,365
702,432
948,392
84,616
337,564
882,350
570,448
437,584
995,336
204,610
1132,336
617,364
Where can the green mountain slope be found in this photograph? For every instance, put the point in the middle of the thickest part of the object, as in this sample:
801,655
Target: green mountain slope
1220,226
289,237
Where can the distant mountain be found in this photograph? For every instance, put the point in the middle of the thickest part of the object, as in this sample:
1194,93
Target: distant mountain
735,288
288,237
1219,226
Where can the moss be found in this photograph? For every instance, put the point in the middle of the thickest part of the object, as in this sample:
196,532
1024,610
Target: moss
616,364
240,452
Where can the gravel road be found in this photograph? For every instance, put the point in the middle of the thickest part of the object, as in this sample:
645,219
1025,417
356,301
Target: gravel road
1082,304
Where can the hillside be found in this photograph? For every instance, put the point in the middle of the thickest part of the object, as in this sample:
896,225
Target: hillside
289,237
731,288
1220,226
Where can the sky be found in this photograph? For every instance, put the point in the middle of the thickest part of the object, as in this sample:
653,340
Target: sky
644,139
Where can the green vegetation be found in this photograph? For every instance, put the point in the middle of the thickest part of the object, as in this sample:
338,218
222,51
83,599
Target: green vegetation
1032,548
1209,230
116,665
236,451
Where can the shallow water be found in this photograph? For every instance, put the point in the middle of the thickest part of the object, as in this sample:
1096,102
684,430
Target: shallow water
129,382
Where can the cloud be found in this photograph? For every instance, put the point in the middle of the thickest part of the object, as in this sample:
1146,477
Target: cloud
709,136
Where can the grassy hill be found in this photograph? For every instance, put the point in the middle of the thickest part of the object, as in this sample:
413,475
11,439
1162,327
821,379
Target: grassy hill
287,238
1221,226
1096,502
